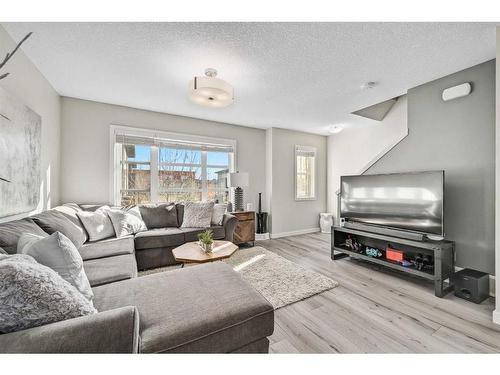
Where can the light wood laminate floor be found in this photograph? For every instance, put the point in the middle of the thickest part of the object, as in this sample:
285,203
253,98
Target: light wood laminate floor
375,310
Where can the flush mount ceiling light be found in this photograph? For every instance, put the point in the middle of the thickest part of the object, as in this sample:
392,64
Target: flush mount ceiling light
335,129
210,91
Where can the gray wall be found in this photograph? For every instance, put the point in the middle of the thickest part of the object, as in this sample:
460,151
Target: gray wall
30,86
288,215
459,137
85,174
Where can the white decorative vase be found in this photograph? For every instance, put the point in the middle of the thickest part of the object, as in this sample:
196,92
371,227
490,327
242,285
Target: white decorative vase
326,222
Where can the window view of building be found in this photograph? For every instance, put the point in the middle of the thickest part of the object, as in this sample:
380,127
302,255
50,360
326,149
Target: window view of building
173,172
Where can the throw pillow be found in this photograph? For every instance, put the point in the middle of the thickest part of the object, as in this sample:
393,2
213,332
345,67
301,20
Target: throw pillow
161,215
69,210
32,295
197,214
126,222
12,230
54,221
218,215
3,252
60,254
97,223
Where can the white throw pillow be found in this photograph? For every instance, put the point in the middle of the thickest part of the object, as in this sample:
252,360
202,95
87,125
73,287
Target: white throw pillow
60,254
127,222
197,214
32,295
97,223
218,214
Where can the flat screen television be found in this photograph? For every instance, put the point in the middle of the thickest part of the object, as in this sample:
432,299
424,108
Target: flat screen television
411,202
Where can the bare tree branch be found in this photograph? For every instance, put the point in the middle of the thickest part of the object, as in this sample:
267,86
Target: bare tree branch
8,56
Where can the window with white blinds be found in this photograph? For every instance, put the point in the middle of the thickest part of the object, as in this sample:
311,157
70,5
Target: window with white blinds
305,173
164,167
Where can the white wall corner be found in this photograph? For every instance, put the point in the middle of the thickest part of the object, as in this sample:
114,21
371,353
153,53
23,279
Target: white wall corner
496,316
496,313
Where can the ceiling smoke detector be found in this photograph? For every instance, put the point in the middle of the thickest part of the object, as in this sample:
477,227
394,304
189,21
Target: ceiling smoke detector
335,129
210,91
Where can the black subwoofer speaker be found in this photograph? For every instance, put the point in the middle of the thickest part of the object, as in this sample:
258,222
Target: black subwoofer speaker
472,285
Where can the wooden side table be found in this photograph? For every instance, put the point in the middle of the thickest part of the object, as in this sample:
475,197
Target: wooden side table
245,229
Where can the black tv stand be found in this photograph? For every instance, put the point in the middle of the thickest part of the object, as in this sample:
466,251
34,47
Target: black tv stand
442,252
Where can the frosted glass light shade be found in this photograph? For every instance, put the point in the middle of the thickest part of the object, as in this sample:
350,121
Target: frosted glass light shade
238,179
210,92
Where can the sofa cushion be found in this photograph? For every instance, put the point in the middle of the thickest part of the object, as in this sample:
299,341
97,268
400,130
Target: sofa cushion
60,254
32,295
126,222
70,211
107,270
200,309
180,213
97,223
54,221
12,230
164,237
191,234
218,213
197,214
161,215
107,248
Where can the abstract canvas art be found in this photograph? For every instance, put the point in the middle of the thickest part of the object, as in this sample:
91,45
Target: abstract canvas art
20,146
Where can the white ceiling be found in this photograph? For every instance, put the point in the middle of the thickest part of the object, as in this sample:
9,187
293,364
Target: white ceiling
302,76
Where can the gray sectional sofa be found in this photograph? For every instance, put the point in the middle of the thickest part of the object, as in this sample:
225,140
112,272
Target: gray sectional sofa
202,309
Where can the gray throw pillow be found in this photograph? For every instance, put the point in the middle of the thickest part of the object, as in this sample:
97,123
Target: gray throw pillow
218,214
12,230
97,223
32,295
60,254
127,222
54,221
197,214
161,215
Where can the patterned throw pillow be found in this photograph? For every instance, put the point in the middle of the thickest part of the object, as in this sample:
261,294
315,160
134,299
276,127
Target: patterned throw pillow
97,223
60,254
127,222
32,295
218,214
197,214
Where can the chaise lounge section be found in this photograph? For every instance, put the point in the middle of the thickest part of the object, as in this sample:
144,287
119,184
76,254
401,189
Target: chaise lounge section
201,309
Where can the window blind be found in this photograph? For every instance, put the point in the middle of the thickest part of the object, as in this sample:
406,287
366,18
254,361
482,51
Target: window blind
129,139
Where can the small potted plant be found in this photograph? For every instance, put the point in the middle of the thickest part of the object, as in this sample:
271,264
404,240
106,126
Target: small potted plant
206,241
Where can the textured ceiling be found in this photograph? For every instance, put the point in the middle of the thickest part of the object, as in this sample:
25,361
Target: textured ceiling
302,76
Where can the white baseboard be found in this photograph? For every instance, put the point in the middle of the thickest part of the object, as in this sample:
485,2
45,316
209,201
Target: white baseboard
295,232
262,236
492,281
496,316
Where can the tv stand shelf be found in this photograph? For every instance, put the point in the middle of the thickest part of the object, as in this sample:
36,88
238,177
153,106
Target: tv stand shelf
443,253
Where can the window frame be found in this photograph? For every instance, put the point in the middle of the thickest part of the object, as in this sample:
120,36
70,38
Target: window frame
155,164
297,151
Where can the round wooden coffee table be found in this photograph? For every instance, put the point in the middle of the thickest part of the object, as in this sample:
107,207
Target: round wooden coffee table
191,252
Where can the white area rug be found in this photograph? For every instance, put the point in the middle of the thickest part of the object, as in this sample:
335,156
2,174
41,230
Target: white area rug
279,280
